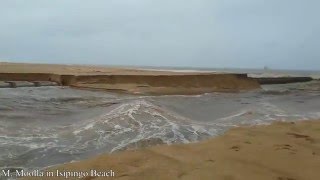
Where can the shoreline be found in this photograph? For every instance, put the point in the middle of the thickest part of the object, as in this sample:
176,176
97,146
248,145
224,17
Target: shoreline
131,81
137,81
276,151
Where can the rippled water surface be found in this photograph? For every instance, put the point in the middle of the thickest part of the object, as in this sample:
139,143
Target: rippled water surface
45,126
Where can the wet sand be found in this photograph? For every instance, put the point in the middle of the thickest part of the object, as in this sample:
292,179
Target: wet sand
281,151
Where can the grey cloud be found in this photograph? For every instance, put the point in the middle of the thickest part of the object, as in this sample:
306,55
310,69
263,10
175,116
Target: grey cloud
200,33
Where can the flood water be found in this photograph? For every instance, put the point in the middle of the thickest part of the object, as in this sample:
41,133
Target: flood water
45,126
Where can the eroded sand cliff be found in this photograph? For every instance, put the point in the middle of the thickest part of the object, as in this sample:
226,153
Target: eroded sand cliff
128,80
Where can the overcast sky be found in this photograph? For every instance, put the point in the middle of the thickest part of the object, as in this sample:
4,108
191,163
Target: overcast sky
283,34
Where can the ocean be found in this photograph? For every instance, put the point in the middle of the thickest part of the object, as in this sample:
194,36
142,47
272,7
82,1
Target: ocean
251,72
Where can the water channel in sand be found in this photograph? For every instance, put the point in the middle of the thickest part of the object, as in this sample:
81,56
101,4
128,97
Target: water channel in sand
45,126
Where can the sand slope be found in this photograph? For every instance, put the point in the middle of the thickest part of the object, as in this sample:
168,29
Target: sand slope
282,151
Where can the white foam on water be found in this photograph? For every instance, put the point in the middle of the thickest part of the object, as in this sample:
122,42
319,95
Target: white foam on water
143,120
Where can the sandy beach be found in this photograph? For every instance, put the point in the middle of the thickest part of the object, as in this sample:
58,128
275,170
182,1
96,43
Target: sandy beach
7,67
281,151
129,80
